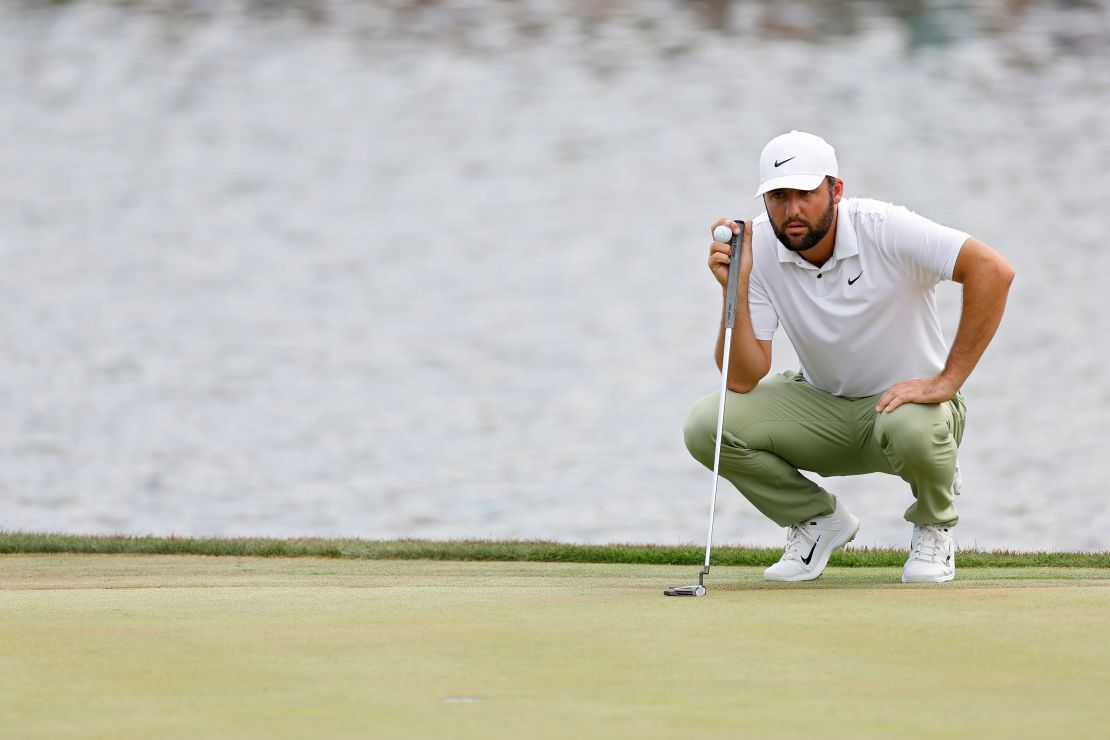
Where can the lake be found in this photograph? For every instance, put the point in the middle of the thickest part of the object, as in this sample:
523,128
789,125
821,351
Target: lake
437,269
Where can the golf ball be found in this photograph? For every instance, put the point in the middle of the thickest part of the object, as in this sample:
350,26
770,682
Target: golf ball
722,234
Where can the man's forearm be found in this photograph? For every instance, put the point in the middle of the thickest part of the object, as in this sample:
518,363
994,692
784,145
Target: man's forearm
986,277
984,301
748,361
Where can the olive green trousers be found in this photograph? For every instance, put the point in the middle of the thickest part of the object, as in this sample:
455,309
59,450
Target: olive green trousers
785,425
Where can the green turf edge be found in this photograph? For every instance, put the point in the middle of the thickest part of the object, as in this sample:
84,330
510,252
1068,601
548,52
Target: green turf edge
502,550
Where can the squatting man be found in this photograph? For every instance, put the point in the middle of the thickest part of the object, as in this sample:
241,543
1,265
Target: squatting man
852,282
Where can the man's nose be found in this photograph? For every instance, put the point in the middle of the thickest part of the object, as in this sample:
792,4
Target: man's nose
793,206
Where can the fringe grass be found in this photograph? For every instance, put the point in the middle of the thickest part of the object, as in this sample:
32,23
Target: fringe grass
505,551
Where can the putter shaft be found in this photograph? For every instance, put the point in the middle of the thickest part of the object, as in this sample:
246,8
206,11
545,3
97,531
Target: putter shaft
730,322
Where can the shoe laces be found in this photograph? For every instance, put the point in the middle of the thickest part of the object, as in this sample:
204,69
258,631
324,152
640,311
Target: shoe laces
930,545
798,539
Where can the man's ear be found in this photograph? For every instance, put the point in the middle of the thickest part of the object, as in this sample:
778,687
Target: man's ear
838,190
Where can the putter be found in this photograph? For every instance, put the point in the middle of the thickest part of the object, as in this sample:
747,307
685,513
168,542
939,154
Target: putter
698,589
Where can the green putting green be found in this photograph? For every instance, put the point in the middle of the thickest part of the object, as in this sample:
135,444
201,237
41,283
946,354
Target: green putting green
187,646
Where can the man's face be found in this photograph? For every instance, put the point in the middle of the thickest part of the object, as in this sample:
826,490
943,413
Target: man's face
801,218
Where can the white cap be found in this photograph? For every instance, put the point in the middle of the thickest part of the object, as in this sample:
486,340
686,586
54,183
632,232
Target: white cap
795,160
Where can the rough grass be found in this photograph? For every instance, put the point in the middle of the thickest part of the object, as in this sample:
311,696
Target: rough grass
506,551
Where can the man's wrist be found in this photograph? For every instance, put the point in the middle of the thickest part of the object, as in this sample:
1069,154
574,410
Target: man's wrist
948,384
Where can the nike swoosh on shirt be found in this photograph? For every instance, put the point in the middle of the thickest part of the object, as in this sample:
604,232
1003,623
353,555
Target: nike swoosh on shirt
857,277
780,164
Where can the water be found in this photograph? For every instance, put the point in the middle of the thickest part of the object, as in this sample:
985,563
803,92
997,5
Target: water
437,269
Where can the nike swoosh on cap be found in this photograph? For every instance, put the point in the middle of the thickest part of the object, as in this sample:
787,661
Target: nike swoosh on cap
780,164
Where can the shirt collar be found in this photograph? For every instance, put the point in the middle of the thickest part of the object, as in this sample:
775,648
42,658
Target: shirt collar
846,244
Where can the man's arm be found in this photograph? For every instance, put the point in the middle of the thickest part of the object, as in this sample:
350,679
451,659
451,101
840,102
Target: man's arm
986,277
749,358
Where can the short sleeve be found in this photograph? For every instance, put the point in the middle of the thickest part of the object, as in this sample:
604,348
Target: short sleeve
765,320
924,249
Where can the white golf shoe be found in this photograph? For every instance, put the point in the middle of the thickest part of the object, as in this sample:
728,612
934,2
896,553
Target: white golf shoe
932,556
810,543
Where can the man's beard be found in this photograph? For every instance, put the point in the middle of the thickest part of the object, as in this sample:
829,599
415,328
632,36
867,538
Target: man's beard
813,234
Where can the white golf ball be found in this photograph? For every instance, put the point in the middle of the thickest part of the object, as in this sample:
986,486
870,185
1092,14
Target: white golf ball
722,234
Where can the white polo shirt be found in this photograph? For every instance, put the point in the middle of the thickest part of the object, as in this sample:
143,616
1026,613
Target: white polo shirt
867,318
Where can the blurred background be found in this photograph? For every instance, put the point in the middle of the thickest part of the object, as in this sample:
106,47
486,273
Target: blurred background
437,269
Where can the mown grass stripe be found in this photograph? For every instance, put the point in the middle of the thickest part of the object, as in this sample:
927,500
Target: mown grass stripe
503,550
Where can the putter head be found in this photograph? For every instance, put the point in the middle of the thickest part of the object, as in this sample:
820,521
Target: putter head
695,590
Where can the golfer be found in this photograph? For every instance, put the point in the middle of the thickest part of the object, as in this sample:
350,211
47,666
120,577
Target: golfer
852,282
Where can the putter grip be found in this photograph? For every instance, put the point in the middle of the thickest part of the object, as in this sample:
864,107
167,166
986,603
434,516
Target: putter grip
733,269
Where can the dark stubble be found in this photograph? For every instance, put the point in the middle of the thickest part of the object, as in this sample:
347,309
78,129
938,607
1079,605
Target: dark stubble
813,234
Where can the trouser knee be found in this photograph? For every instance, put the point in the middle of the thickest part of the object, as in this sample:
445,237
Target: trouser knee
700,430
917,434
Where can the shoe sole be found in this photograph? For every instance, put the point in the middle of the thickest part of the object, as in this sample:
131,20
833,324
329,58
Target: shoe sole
943,579
820,567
